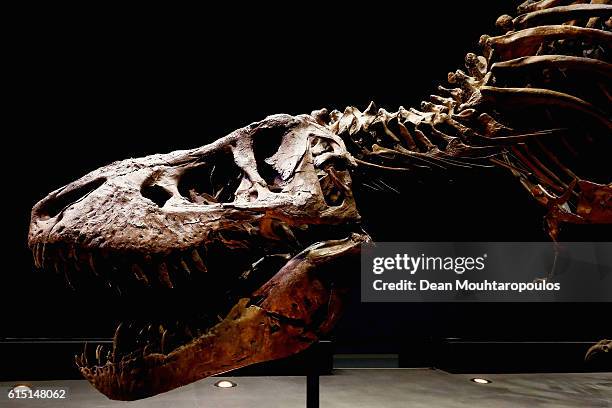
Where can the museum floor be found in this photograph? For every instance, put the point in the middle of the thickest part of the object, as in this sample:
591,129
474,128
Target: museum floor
355,388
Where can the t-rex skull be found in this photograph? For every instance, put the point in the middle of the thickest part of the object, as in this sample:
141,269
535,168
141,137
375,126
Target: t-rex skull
252,219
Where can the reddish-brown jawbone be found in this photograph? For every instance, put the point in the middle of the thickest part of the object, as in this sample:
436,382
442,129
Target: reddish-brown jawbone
249,334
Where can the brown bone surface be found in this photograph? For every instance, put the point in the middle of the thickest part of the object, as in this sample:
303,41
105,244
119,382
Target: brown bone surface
266,217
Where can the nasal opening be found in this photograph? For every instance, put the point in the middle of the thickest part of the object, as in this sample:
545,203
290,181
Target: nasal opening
54,205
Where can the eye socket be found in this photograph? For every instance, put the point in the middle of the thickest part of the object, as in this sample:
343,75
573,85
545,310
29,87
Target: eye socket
155,193
53,206
265,144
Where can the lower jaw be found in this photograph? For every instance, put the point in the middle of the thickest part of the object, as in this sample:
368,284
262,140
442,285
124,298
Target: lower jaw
249,333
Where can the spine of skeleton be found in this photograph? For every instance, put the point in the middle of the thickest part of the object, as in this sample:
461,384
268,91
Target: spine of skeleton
542,85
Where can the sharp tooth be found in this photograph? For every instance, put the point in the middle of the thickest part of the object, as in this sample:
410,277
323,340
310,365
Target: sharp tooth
163,341
197,261
141,336
92,265
185,266
56,266
72,254
116,340
152,333
85,355
42,254
164,277
139,274
36,255
98,354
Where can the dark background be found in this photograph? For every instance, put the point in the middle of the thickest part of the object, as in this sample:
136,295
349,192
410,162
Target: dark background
97,88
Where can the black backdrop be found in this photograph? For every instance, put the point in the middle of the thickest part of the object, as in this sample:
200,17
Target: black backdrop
101,88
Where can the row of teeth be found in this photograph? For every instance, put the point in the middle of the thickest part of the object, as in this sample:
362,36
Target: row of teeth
155,338
188,262
149,340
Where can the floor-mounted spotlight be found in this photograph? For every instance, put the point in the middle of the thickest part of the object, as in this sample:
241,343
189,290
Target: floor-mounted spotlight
481,380
225,384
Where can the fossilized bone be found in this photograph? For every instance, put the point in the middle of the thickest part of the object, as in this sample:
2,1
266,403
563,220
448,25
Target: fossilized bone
600,350
268,212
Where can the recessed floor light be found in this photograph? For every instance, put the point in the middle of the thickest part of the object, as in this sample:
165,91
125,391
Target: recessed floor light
225,384
481,380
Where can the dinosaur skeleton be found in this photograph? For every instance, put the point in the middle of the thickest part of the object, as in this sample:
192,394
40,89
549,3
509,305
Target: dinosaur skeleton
264,221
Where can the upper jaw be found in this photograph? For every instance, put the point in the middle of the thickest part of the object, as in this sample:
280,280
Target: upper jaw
149,203
218,254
